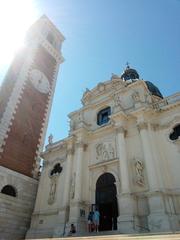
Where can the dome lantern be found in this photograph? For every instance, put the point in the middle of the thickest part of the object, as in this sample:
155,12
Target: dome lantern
129,74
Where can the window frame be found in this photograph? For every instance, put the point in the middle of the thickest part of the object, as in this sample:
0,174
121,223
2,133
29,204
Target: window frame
103,116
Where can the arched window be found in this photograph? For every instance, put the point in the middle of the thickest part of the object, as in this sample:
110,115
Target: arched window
103,116
175,133
9,190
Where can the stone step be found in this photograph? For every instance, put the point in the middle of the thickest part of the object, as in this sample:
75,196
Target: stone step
150,236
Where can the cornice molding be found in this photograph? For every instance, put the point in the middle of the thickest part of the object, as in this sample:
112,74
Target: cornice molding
103,164
155,126
142,126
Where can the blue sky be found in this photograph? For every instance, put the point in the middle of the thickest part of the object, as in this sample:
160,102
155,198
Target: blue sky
101,36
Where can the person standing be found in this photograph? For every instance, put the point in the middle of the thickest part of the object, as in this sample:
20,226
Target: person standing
96,219
72,230
90,221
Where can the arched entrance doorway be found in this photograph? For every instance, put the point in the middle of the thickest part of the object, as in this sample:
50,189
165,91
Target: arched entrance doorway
106,202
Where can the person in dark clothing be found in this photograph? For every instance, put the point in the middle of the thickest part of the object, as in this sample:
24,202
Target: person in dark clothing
72,230
90,221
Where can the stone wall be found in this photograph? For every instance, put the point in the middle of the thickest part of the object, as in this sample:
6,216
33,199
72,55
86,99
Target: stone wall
15,212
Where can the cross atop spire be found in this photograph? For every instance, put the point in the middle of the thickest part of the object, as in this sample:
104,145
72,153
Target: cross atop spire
127,64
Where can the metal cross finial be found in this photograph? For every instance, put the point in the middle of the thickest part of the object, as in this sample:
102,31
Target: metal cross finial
127,64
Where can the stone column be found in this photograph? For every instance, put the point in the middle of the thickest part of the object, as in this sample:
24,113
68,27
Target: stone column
123,165
78,178
76,199
148,157
158,219
125,200
67,183
63,215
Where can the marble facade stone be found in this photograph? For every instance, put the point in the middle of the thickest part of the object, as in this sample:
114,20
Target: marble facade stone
133,146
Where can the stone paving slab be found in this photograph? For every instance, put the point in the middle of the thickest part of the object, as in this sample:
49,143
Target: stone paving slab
170,236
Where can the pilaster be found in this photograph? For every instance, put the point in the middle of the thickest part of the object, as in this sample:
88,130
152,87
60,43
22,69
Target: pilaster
76,203
66,197
148,156
125,200
158,220
123,164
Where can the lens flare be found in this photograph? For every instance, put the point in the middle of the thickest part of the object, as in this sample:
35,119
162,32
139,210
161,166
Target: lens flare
16,16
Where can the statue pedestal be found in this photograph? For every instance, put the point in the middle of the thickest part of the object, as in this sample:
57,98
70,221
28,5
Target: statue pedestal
125,220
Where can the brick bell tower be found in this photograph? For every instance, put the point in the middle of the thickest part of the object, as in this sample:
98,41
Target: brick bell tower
25,102
26,97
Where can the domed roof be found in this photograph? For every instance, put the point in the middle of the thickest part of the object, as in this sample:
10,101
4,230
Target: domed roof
153,89
132,74
129,73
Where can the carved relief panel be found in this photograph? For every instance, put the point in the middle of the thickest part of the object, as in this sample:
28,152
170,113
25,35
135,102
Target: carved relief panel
105,151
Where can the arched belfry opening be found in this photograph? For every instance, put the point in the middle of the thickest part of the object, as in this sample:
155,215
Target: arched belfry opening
106,202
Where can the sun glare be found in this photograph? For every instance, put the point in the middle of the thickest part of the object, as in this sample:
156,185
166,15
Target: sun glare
16,16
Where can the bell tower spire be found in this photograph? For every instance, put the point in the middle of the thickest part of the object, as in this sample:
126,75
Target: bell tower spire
25,103
26,97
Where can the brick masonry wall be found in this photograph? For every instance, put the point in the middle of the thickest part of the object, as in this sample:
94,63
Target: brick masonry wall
23,138
10,80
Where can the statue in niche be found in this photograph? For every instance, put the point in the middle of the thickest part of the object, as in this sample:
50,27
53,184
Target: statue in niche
52,192
117,101
139,173
148,98
54,174
136,97
72,191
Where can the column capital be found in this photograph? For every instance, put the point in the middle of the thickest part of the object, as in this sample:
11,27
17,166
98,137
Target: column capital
81,144
142,125
155,126
120,129
70,151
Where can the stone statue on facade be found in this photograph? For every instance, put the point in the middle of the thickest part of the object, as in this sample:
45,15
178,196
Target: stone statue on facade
136,97
54,174
50,139
139,168
52,192
118,102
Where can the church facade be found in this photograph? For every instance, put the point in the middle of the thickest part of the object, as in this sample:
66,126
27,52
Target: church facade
121,156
